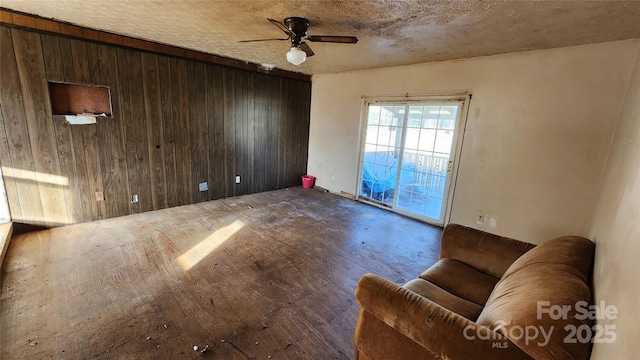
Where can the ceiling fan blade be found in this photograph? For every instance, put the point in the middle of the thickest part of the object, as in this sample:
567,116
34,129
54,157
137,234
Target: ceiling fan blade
243,41
304,47
280,26
333,39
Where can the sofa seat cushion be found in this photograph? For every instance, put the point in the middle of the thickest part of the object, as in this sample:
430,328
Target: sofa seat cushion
444,298
461,280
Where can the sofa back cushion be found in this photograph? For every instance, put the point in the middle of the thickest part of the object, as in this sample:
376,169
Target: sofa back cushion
489,253
541,298
573,251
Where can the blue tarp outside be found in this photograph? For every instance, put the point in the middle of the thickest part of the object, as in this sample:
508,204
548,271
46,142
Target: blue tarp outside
379,173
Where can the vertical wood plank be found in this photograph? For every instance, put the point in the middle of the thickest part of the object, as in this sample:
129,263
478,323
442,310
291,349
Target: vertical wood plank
80,61
103,133
154,130
51,56
297,131
250,133
292,127
197,114
82,170
229,131
296,118
169,114
128,141
64,140
231,124
66,59
66,154
210,118
282,133
260,133
92,158
75,68
175,129
202,137
288,124
30,64
216,132
240,116
141,166
182,130
95,159
114,146
273,108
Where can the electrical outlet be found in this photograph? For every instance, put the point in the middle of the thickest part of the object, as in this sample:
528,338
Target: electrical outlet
203,186
99,196
134,199
237,179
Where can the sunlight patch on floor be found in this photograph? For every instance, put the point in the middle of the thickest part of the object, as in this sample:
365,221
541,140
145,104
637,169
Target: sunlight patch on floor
205,247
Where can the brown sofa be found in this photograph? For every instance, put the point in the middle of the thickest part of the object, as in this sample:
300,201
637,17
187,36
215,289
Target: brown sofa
488,297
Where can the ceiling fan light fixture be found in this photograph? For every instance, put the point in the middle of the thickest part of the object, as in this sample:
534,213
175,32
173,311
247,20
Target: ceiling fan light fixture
296,56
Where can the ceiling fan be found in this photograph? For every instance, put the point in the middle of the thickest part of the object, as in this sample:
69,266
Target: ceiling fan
296,30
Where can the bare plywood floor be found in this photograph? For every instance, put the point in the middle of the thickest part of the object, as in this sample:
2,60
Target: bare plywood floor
258,276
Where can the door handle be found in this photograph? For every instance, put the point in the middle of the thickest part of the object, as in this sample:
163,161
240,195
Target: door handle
450,166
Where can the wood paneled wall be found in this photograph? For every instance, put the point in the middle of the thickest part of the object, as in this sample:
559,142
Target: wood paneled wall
176,123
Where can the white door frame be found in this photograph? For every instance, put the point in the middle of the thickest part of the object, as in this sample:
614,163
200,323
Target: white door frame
461,97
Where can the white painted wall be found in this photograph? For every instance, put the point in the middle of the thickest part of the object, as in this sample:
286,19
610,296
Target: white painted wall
616,231
539,128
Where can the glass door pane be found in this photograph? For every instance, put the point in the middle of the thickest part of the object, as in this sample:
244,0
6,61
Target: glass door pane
426,155
382,152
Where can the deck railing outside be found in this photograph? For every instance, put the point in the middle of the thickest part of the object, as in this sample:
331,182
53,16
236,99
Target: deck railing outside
430,172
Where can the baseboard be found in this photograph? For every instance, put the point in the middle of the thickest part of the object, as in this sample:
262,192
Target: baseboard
346,195
6,230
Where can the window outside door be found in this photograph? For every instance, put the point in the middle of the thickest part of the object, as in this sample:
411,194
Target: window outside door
408,156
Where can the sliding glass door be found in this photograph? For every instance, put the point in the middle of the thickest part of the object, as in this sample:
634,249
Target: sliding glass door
408,156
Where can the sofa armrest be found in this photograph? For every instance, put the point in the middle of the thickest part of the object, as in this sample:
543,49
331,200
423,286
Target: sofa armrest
442,332
489,253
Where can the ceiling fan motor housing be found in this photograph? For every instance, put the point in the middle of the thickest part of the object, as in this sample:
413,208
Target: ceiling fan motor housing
298,26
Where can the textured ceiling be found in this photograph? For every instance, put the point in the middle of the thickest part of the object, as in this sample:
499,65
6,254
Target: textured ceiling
391,33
